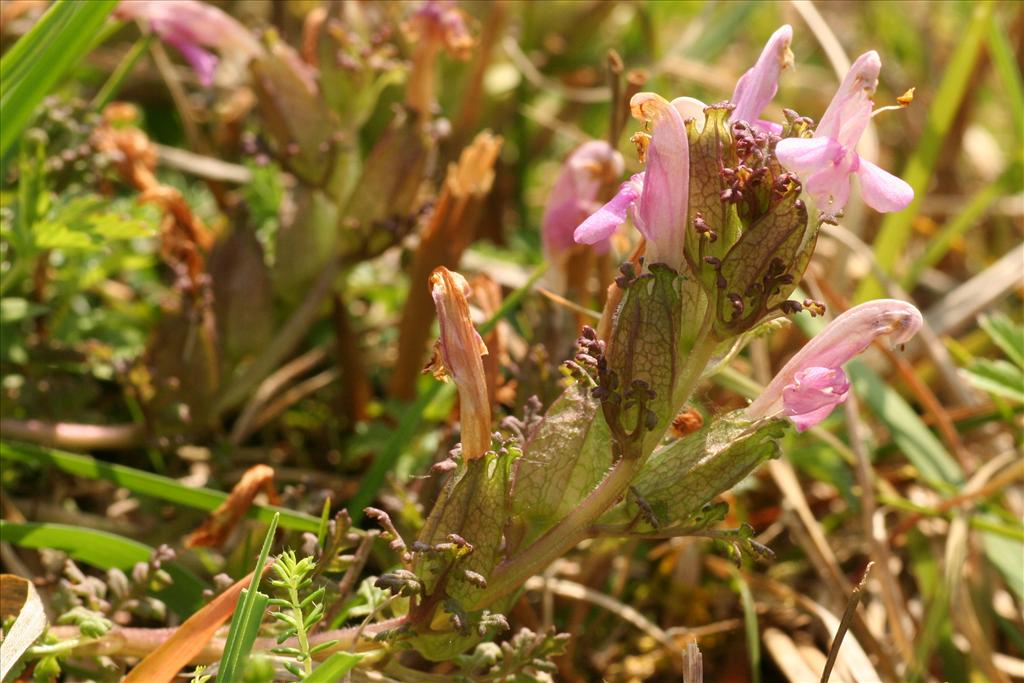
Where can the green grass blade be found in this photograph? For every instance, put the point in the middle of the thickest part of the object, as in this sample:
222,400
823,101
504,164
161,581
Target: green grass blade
413,417
333,668
1007,336
895,230
739,584
245,623
1003,58
107,551
147,484
44,55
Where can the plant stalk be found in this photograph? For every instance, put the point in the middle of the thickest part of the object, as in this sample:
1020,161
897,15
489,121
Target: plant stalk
578,524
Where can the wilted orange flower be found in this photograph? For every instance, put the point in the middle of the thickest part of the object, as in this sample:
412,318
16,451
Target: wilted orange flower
458,354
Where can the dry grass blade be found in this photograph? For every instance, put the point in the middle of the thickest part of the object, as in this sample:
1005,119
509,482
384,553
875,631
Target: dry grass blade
188,640
78,437
787,656
222,521
694,672
844,624
950,313
18,599
270,386
961,603
892,598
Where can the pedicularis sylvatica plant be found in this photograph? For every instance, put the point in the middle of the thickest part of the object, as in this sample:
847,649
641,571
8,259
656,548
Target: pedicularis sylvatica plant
729,207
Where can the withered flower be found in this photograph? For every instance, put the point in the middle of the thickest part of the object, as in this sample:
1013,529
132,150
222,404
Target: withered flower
458,354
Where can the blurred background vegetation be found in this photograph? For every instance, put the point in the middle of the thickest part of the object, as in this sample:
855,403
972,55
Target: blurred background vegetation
183,297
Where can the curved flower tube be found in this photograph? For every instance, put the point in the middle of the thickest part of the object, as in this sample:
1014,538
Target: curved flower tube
826,161
812,383
658,197
755,88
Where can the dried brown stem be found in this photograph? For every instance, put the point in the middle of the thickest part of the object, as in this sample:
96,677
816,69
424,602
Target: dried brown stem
74,436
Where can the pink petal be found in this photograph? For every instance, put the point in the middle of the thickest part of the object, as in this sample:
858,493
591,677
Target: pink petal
603,223
883,191
823,166
690,108
830,185
805,421
804,156
850,110
202,62
756,88
813,394
768,126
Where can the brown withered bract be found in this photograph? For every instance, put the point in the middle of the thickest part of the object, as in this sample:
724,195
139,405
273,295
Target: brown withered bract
222,521
459,355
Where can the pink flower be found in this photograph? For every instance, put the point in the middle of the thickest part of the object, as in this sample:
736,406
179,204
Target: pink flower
826,161
812,383
755,88
659,197
574,195
190,25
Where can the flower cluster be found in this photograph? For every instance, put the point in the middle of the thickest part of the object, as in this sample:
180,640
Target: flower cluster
722,196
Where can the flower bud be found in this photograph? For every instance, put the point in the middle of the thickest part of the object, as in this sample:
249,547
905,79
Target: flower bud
587,170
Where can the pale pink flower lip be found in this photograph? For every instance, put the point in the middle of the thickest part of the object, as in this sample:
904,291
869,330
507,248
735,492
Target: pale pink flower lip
813,394
190,25
803,386
574,195
826,161
600,225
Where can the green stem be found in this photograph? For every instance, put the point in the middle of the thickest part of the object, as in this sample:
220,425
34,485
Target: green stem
113,83
577,525
300,627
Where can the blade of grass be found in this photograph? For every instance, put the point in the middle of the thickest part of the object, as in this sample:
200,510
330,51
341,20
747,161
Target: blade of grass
113,84
413,416
41,57
1005,62
245,623
147,484
106,551
750,624
896,227
334,668
20,600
